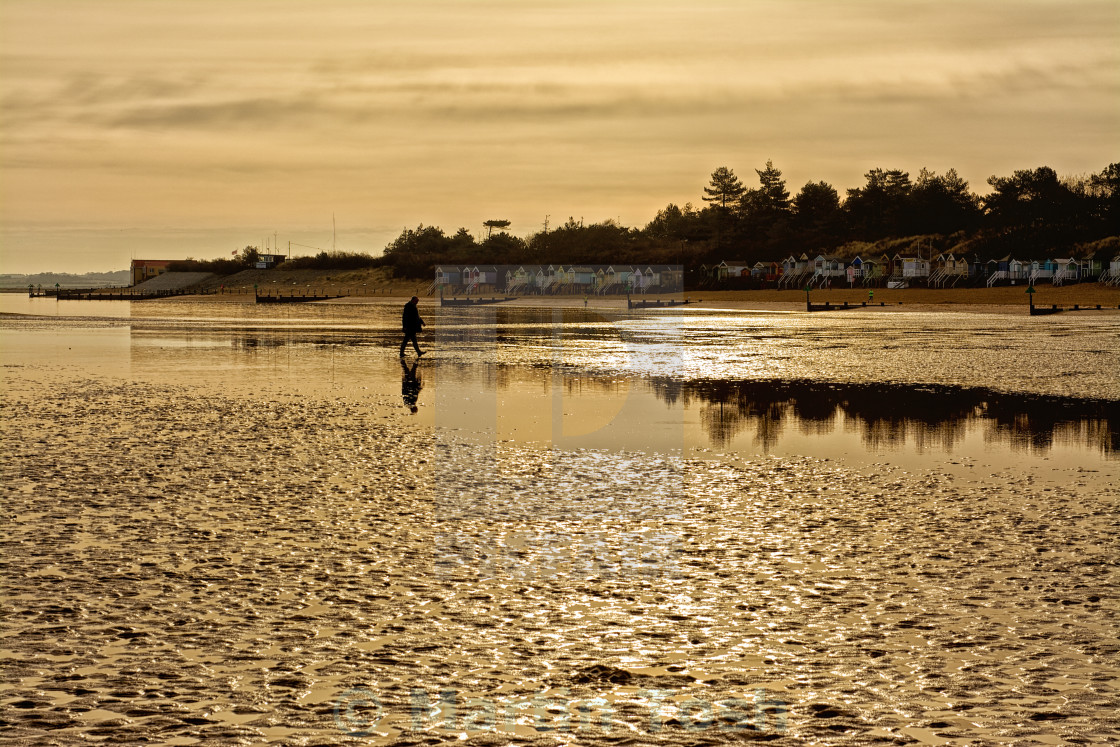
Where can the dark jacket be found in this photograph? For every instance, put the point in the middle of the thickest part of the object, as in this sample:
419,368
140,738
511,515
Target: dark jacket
410,319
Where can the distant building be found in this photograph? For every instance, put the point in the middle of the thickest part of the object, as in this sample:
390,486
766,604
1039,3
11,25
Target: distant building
146,269
266,261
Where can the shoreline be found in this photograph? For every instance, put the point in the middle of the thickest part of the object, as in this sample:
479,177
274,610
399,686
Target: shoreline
351,290
1087,296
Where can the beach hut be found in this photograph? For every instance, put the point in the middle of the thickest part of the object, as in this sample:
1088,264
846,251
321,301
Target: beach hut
600,279
893,270
1112,276
882,266
446,275
488,277
956,268
1066,270
825,270
998,270
670,278
470,277
610,281
734,268
977,268
635,280
481,278
912,266
947,270
570,277
854,271
583,277
540,279
936,270
519,280
789,269
795,271
872,270
1041,270
773,271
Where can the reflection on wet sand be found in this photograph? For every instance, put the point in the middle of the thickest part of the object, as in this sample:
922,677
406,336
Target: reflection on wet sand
889,415
884,416
410,384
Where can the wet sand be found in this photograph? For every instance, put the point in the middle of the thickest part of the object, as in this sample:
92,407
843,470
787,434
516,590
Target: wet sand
198,564
211,540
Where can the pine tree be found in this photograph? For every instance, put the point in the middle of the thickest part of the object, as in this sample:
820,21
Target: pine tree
775,196
725,188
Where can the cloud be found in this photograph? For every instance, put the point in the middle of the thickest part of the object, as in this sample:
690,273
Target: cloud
510,62
185,111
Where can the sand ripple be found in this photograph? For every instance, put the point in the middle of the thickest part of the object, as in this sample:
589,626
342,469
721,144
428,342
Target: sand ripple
184,566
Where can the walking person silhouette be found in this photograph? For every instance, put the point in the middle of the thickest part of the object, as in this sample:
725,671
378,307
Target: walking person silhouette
412,324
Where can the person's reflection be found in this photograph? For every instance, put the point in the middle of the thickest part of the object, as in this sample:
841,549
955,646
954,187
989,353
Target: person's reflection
410,385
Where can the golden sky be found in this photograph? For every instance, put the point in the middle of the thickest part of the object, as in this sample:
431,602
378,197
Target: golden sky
174,128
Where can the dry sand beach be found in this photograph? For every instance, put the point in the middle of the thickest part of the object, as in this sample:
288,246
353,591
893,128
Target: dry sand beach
215,533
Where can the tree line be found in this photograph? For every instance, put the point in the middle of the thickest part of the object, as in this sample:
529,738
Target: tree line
1032,213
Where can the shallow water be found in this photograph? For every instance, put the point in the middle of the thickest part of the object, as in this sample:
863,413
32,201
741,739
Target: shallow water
222,525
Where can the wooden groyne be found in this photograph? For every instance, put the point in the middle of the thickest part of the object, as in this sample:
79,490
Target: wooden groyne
302,297
112,294
829,306
657,303
1056,309
261,295
472,301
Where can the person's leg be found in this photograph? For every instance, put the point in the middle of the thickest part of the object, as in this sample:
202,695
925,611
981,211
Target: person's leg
416,345
405,342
